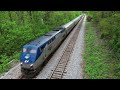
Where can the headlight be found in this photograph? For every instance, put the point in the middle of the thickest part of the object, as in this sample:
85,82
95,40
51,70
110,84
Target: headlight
31,65
21,63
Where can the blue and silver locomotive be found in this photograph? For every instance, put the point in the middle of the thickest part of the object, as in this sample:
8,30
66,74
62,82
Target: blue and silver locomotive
35,53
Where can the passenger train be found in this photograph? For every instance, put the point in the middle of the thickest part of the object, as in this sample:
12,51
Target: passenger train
35,53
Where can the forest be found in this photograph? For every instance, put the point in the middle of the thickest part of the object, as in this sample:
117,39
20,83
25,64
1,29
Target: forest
102,45
17,28
108,24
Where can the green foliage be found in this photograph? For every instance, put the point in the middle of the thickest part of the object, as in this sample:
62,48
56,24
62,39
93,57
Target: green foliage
108,23
100,63
17,28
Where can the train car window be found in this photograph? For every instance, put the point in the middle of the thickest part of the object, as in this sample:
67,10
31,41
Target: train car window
56,29
62,30
49,41
53,38
57,35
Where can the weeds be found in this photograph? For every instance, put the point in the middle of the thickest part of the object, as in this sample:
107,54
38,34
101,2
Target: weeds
100,63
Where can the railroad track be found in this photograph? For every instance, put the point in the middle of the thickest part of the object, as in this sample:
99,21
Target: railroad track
59,71
23,77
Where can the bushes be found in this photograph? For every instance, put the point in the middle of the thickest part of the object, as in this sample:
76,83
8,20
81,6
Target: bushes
109,24
105,27
102,62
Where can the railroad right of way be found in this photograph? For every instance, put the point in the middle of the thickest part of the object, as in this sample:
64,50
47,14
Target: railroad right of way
58,67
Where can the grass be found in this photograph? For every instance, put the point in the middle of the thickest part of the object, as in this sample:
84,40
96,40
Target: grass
99,61
5,66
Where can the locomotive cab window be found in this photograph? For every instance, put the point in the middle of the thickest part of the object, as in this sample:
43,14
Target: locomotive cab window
24,49
31,51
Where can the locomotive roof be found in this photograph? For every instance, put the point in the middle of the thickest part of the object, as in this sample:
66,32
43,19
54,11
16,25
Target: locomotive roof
44,39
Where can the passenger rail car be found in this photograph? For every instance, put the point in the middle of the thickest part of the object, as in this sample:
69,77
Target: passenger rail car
35,53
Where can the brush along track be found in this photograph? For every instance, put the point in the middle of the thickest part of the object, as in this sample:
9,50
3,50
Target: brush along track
60,68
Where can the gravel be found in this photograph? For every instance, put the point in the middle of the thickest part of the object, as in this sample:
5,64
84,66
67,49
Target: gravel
75,66
13,73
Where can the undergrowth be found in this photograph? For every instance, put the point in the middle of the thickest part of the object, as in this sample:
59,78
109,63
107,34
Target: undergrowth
100,63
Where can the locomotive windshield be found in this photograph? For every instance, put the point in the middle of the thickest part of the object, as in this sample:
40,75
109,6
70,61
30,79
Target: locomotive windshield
29,50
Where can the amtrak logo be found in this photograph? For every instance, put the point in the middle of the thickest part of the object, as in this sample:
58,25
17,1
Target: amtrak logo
27,56
26,61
